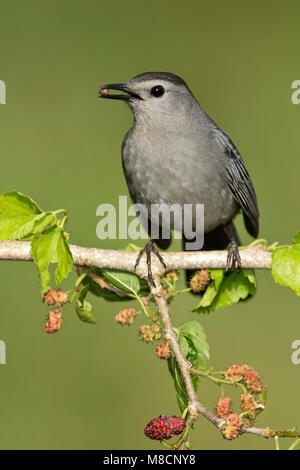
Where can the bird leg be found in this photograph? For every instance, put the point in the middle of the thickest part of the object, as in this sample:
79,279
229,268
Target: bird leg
233,257
149,248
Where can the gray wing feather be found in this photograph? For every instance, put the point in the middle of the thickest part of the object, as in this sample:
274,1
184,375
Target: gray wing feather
239,183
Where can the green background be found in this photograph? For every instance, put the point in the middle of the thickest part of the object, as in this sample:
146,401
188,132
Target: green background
97,386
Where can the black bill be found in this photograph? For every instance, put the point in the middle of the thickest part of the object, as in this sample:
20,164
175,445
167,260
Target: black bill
104,92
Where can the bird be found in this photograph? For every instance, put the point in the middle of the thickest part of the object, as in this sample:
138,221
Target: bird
175,153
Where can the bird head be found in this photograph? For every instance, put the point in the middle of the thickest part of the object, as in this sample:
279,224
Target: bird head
153,95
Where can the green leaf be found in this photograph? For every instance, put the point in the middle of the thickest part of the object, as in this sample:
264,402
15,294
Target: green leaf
144,288
193,331
84,315
182,397
125,281
192,357
103,292
51,247
87,306
195,347
184,345
217,276
83,308
286,265
193,344
296,238
82,294
227,290
134,248
16,210
35,225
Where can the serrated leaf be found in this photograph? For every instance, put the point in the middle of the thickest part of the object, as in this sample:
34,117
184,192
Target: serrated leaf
286,265
16,210
51,247
35,225
227,291
125,281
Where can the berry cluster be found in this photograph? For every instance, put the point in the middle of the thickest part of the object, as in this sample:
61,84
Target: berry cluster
224,407
163,351
54,318
55,297
232,427
164,427
150,333
126,316
251,379
234,372
248,404
53,321
200,281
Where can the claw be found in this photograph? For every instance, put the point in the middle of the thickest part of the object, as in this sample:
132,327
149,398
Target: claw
149,248
233,258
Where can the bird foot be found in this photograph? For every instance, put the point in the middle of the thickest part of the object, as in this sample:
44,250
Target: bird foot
233,258
149,248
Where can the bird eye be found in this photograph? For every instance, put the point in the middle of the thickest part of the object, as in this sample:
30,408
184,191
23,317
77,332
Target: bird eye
157,91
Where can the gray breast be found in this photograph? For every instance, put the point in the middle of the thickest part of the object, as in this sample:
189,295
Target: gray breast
177,173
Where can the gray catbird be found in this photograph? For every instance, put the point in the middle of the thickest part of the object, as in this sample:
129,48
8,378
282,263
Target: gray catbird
175,154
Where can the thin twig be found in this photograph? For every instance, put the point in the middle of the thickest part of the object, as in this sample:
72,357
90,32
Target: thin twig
169,334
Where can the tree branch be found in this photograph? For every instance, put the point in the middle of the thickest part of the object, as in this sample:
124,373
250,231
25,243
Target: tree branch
254,258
